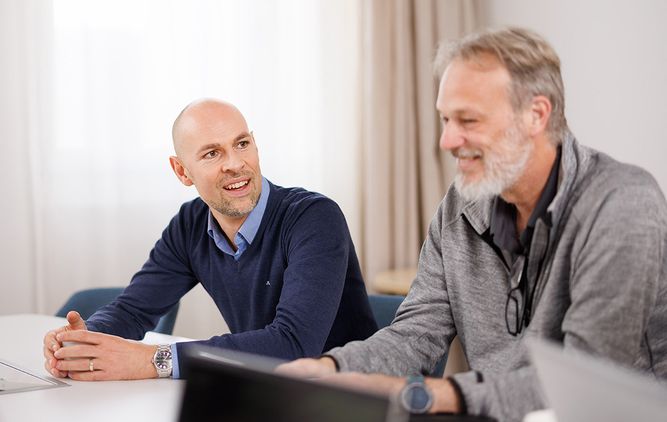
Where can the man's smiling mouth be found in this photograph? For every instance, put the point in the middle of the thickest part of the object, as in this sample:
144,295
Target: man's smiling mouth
237,185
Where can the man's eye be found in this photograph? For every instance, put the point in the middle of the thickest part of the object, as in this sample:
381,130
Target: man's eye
211,154
468,121
243,144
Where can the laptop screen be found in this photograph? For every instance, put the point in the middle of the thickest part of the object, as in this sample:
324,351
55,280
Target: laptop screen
584,388
242,388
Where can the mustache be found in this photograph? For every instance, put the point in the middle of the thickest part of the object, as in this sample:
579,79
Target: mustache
462,152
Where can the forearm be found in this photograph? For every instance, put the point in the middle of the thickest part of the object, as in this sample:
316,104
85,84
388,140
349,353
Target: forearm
161,282
422,330
271,341
141,305
109,320
385,352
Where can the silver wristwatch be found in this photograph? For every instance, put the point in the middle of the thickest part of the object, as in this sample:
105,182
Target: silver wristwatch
162,361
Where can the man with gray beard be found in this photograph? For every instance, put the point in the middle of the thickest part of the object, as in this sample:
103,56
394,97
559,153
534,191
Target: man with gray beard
539,237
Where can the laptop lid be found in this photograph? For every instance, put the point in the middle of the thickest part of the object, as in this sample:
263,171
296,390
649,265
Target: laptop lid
237,387
583,388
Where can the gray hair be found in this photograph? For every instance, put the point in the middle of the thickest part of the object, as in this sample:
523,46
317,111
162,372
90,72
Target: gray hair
532,63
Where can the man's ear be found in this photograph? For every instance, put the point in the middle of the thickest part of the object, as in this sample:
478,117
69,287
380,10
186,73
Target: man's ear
180,171
540,113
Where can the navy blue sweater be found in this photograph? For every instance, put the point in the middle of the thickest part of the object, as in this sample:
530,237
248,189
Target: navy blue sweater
296,291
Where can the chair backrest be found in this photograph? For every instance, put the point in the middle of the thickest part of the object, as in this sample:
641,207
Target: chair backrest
384,308
87,301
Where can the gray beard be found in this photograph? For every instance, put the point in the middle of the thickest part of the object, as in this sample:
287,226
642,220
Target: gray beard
502,169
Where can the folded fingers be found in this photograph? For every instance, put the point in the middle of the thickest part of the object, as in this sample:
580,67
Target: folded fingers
79,365
80,336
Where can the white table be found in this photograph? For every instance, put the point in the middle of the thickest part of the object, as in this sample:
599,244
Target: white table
113,401
125,401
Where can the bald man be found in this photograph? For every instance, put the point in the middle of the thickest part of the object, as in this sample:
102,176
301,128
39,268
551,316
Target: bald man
278,262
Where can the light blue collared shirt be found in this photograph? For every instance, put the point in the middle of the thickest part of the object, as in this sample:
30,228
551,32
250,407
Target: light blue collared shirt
243,239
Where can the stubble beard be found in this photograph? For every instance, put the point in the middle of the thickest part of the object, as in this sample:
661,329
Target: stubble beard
227,208
502,167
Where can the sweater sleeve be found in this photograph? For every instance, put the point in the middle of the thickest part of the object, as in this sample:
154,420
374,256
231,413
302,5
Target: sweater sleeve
422,330
162,281
316,243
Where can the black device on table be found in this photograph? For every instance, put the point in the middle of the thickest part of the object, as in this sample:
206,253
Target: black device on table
238,387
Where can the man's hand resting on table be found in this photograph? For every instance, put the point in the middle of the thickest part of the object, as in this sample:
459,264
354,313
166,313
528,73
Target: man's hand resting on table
95,356
309,367
445,399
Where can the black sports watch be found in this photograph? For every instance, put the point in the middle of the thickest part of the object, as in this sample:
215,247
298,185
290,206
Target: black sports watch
416,397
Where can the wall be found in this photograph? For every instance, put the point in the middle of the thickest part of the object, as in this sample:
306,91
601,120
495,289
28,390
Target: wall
614,62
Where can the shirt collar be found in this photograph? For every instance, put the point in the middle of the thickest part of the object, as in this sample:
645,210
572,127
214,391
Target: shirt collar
248,229
251,224
503,225
547,196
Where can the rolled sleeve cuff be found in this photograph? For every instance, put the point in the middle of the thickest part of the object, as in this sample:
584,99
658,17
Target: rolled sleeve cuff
339,360
472,391
326,355
459,395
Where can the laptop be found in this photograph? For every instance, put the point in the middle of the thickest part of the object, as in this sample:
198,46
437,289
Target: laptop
231,386
236,387
582,388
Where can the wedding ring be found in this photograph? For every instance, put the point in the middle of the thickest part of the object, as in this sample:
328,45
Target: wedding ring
90,365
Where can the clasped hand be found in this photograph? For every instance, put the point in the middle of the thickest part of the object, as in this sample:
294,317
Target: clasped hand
92,356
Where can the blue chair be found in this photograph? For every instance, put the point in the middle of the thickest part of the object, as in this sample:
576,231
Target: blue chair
384,309
87,301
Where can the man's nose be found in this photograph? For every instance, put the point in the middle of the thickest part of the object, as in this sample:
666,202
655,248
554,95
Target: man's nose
233,163
451,137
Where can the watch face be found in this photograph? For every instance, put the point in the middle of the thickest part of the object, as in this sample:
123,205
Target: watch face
162,361
420,398
416,398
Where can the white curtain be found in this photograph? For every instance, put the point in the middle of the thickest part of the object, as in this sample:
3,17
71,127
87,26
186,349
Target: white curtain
90,89
404,171
25,35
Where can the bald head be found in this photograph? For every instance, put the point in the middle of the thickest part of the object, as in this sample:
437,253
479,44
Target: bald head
217,154
204,114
